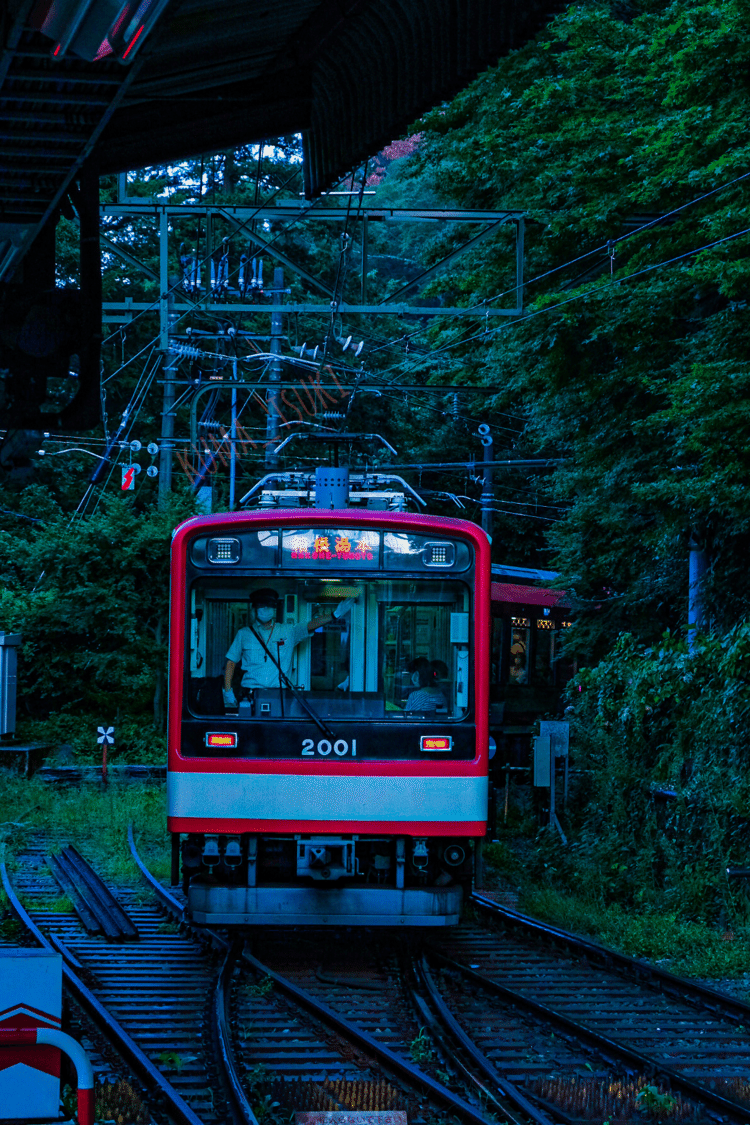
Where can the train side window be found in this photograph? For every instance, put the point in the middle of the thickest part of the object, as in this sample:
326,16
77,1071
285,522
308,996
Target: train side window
520,650
544,654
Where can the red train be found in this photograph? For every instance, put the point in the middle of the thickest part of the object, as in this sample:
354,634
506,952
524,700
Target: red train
328,715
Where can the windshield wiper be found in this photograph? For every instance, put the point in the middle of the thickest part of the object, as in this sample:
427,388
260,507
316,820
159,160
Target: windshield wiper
294,689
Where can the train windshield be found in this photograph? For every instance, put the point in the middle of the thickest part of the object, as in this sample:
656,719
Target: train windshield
359,646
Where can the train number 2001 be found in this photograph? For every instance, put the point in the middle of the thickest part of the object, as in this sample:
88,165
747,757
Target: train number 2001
340,747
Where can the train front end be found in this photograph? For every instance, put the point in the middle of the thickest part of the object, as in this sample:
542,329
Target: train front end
341,779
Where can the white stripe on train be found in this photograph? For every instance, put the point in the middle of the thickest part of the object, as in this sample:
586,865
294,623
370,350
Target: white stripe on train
296,797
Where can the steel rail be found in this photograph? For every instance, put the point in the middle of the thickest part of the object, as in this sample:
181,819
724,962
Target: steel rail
391,1059
505,1102
241,1110
172,1102
678,987
395,1062
612,1048
508,1090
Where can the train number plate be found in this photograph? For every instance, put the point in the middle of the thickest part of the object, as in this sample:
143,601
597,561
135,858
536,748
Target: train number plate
341,748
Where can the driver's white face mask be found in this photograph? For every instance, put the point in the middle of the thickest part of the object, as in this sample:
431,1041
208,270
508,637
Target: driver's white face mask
265,613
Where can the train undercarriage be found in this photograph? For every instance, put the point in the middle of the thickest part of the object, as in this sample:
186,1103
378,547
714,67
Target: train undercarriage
324,880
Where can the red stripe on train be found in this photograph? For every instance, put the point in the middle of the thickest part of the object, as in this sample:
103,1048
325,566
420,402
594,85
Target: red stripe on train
392,827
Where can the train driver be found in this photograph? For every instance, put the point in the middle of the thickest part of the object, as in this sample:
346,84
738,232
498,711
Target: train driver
263,645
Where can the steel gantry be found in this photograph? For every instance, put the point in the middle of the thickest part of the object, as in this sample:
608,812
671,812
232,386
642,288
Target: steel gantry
240,218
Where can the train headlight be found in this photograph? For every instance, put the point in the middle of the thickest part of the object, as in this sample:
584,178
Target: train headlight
224,551
221,740
439,554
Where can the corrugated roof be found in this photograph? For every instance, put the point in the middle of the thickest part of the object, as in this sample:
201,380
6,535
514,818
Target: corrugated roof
351,74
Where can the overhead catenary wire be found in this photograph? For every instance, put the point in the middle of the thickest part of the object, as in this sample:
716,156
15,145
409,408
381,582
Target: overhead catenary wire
589,253
599,288
596,288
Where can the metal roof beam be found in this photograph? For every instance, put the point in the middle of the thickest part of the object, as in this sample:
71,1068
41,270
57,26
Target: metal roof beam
302,307
304,211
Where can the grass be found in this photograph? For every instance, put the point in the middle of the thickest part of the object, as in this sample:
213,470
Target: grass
94,820
690,949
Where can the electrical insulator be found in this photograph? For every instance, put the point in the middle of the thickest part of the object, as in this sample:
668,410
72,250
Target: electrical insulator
152,471
185,351
152,448
135,446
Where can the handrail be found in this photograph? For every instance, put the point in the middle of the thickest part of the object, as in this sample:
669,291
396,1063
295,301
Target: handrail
51,1037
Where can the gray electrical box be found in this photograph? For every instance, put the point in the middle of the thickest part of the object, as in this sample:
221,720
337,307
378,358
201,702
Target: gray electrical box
9,643
542,762
558,732
332,487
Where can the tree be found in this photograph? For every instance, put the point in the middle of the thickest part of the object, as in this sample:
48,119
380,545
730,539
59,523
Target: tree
635,370
91,602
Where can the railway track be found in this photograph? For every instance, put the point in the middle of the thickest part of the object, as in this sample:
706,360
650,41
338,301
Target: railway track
200,1020
109,983
511,1021
692,1041
531,1059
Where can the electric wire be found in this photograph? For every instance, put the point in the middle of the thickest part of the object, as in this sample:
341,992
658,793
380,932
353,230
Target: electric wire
590,253
486,332
600,288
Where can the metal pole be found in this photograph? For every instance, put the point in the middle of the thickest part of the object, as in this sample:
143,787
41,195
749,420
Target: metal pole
520,229
163,280
167,319
233,440
364,260
487,490
274,377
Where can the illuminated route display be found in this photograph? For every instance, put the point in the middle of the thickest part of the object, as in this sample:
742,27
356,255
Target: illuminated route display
339,545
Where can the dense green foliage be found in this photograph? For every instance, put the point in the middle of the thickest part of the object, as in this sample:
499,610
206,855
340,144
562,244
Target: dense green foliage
664,801
632,365
641,383
90,597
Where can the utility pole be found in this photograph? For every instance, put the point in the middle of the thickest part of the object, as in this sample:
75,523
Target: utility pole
167,319
233,439
272,394
166,445
487,489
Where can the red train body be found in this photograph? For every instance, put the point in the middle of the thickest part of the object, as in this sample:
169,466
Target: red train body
346,777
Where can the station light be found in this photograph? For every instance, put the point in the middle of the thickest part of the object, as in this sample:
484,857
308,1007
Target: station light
97,29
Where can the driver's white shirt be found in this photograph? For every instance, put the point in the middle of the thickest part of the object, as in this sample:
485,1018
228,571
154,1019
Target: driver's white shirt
258,669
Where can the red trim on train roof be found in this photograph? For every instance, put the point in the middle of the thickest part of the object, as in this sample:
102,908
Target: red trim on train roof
509,592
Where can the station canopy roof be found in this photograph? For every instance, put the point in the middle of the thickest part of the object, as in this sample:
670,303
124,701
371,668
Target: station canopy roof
176,78
511,594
